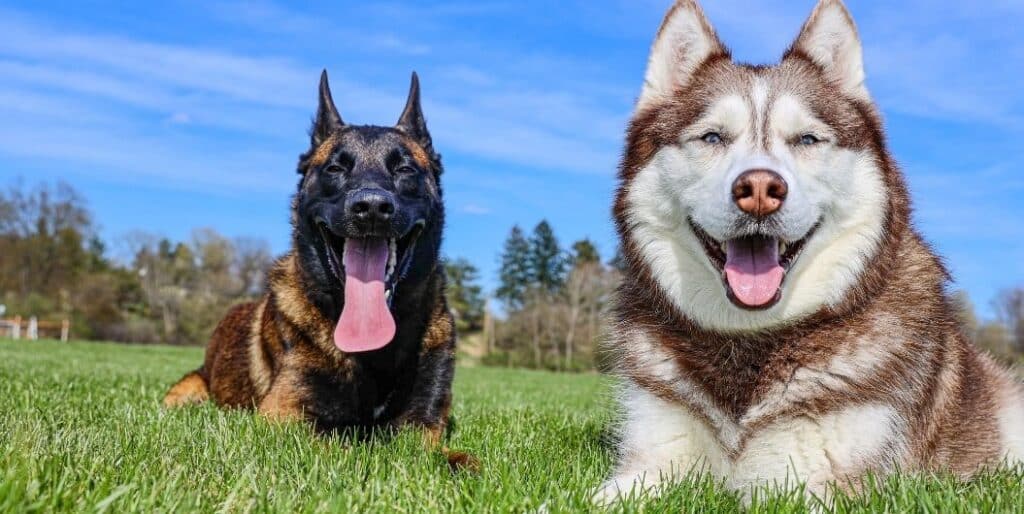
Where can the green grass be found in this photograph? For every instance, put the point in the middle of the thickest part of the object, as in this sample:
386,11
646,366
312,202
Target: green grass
81,430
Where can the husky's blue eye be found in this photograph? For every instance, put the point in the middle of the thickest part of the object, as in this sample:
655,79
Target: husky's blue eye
809,139
712,138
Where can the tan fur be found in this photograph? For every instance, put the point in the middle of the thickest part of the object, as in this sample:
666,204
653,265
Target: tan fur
260,371
283,401
322,153
191,389
440,331
418,154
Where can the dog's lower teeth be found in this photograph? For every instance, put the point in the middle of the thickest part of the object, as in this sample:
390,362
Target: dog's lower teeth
392,256
782,248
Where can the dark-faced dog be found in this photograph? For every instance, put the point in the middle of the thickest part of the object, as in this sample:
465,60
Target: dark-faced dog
354,332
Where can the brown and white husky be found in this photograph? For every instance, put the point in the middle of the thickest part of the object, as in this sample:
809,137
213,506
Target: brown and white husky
780,320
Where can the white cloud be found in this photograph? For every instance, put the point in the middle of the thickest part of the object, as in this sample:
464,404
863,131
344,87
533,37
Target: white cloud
948,63
110,78
180,118
472,208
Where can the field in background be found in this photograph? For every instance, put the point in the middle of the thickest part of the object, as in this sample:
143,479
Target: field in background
81,431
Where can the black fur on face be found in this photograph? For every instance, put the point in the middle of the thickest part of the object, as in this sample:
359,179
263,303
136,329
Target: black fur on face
361,181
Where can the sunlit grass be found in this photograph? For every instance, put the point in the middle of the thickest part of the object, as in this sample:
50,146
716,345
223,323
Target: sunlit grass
81,430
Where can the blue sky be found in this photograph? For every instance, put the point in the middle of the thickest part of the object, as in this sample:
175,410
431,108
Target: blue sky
175,115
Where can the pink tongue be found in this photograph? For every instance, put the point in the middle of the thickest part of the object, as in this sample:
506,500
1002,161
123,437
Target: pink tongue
753,271
366,323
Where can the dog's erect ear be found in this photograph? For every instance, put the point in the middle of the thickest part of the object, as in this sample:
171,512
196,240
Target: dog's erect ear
829,39
412,121
683,43
327,120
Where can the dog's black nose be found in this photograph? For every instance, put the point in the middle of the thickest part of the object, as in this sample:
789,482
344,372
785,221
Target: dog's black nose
371,206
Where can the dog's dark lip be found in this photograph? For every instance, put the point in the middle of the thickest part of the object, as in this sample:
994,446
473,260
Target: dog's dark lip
333,245
406,247
715,254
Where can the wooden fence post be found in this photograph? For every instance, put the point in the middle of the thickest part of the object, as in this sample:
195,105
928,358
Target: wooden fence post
33,329
16,332
65,330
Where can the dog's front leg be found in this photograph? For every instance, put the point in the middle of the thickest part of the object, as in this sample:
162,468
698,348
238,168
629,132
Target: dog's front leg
660,443
283,400
429,407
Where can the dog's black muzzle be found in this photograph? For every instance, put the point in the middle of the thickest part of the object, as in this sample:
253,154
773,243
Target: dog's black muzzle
369,212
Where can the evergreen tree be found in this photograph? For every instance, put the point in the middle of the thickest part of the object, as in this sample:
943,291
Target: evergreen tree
515,275
547,261
464,294
584,252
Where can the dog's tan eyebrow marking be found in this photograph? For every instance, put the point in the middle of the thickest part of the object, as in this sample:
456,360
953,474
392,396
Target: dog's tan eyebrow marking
418,154
323,152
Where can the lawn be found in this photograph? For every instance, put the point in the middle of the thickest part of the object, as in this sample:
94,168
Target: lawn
81,430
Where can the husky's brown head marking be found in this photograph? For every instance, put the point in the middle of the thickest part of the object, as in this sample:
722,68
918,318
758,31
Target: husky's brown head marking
711,140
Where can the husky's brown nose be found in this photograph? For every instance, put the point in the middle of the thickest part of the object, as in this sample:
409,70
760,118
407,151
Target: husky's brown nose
759,192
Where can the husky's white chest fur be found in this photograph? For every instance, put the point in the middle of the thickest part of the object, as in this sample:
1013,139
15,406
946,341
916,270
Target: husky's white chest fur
666,441
676,429
780,322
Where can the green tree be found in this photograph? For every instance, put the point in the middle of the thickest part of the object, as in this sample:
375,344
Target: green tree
465,296
546,259
43,254
515,274
584,252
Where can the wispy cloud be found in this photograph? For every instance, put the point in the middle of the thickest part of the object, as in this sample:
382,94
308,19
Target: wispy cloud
180,118
112,79
946,63
472,208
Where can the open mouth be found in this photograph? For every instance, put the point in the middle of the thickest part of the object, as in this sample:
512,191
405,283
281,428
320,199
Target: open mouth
370,268
754,267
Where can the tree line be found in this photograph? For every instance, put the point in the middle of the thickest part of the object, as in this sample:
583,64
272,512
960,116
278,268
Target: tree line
547,308
554,300
55,266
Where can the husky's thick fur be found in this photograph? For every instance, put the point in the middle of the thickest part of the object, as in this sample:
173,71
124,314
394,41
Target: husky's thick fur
780,319
354,332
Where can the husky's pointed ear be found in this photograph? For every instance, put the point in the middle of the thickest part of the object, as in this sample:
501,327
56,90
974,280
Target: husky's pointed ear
412,121
327,120
829,39
685,41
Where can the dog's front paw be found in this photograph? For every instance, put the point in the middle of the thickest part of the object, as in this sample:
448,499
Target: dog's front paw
627,487
462,461
617,489
607,494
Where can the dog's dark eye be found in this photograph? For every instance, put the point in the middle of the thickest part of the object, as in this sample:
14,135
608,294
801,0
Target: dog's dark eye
405,170
712,138
334,168
809,139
